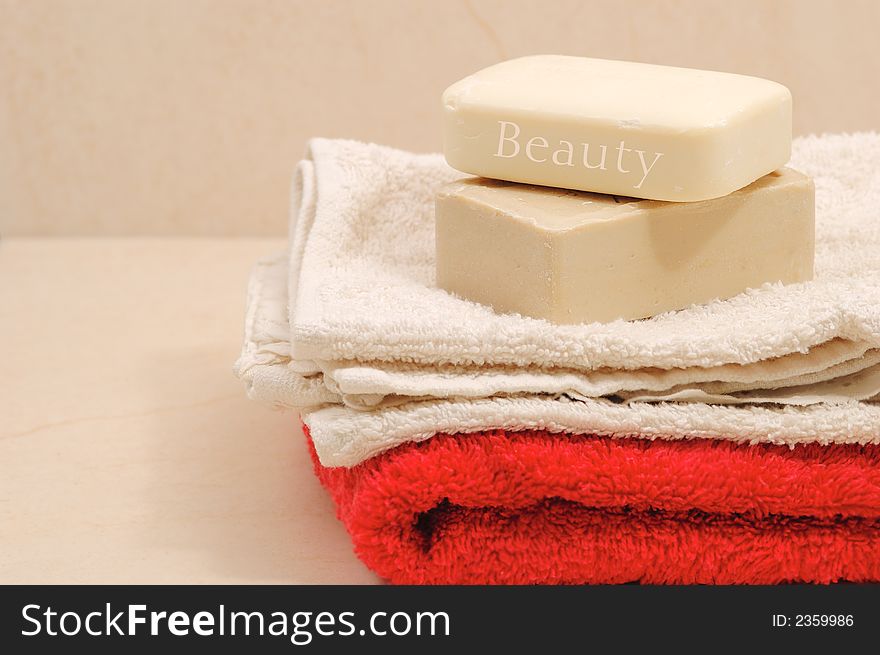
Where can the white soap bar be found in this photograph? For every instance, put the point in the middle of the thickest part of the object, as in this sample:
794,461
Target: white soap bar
577,257
617,127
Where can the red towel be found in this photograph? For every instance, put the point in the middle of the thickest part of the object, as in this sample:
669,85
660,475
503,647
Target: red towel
534,507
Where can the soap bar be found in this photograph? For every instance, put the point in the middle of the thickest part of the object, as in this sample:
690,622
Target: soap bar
617,127
577,257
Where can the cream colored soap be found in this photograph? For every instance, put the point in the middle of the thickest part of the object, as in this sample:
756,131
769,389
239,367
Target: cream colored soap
617,127
576,257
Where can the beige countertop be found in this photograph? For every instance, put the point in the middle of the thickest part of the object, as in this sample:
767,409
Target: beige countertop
128,451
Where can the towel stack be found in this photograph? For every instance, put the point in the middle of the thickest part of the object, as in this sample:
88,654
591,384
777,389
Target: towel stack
732,442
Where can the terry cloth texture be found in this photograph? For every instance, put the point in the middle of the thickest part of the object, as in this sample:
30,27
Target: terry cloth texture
350,315
367,385
344,437
362,276
533,507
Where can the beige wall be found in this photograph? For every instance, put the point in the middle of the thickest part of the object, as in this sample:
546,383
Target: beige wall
187,116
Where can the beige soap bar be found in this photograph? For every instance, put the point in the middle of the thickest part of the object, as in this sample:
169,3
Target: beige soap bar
617,127
577,257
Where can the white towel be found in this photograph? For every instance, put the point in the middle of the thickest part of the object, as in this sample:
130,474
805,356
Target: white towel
368,385
366,325
362,276
345,437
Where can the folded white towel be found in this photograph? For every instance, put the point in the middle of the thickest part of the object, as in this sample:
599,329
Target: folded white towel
362,276
367,326
368,385
345,437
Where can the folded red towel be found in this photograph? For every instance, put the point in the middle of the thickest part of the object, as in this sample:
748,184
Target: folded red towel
534,507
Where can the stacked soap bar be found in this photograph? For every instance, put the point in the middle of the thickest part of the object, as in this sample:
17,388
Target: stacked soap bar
659,188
